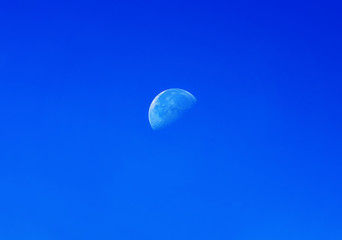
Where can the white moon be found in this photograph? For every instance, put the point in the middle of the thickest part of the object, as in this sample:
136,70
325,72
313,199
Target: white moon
168,106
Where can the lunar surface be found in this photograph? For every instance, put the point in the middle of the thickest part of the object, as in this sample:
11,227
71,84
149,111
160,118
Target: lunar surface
168,106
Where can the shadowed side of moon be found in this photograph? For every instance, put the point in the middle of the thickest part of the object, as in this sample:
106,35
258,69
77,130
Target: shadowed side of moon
168,106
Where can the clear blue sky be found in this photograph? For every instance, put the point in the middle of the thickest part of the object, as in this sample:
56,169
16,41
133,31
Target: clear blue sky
258,157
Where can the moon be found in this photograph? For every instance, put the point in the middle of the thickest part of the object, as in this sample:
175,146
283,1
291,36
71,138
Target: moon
168,106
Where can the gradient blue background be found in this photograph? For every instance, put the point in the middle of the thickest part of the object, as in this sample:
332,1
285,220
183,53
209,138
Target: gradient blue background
258,157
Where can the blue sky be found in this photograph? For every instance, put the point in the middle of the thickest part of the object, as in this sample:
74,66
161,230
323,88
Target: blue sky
258,157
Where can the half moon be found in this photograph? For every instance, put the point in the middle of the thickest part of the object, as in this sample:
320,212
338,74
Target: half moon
168,106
